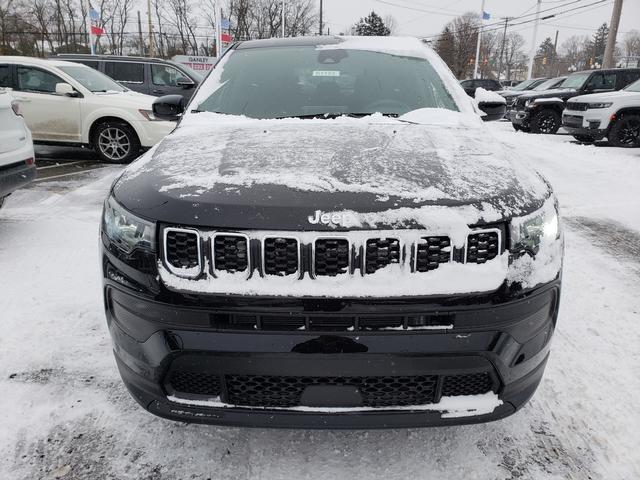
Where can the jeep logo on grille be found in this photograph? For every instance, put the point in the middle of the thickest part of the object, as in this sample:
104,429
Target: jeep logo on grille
334,219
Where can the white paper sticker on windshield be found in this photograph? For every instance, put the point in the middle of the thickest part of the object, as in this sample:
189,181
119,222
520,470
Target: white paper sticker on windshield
326,73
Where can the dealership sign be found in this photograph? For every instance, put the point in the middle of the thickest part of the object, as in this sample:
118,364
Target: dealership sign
196,62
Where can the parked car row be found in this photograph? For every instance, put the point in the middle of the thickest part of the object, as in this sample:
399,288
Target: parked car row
65,103
542,111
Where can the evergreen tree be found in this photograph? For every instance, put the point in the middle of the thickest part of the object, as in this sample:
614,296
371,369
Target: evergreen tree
446,47
599,43
372,25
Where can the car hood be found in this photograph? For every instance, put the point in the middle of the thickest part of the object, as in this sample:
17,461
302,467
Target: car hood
606,96
274,174
555,92
128,99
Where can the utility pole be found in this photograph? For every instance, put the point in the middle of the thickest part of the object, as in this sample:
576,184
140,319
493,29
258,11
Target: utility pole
475,68
320,17
150,28
555,55
140,35
533,40
282,18
504,37
613,33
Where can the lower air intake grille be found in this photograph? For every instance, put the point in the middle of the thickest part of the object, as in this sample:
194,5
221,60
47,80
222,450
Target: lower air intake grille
195,383
331,257
231,253
431,252
471,384
281,256
380,252
579,107
483,246
182,248
277,391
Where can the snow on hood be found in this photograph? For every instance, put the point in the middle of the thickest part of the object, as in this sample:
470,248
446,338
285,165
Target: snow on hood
430,156
605,96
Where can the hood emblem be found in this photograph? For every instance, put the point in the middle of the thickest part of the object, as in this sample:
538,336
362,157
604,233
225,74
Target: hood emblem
332,219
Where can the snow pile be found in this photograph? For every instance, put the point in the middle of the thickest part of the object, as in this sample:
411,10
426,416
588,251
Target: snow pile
488,96
450,407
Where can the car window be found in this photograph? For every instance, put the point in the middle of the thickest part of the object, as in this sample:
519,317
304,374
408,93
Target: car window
165,75
126,72
629,77
92,79
5,76
32,79
89,63
634,87
602,81
304,81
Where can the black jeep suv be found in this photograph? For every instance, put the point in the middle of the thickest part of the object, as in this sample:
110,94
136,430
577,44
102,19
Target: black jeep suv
541,112
331,238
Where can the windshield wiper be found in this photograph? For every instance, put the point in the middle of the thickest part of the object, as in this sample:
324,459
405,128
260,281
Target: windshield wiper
337,115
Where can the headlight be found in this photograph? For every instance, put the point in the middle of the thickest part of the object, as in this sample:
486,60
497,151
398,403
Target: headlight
529,232
148,114
125,230
599,105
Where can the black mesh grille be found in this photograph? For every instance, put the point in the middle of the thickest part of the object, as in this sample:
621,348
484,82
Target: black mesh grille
278,391
280,256
471,384
380,252
579,107
195,383
182,249
331,257
482,247
230,253
431,252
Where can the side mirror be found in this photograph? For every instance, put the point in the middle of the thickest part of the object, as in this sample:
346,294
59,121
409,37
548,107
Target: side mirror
169,107
185,82
66,90
494,110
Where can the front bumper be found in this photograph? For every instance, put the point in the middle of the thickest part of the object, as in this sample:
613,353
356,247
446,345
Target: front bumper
151,133
518,117
509,341
576,124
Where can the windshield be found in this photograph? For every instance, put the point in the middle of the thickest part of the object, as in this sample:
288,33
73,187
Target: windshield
546,85
526,85
304,81
186,68
575,80
92,79
634,87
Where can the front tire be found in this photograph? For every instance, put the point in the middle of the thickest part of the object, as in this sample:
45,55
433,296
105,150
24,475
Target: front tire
115,142
546,121
625,132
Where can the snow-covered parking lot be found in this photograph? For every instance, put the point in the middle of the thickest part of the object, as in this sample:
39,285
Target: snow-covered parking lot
66,414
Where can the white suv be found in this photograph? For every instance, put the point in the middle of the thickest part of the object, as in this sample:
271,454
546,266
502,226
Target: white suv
614,115
17,166
69,103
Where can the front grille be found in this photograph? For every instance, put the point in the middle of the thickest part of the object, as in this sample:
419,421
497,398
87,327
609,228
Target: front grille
231,253
277,391
182,248
331,257
281,256
287,391
470,384
578,107
380,252
483,246
294,255
431,252
195,383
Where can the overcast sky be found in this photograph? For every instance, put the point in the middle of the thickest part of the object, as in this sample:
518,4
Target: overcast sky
428,17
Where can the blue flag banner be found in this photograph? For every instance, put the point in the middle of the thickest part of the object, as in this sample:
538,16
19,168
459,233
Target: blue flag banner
93,15
225,24
486,15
